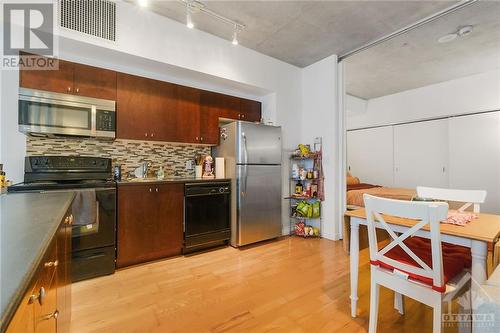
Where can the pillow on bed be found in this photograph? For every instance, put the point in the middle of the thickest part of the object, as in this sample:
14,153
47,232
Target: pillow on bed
352,180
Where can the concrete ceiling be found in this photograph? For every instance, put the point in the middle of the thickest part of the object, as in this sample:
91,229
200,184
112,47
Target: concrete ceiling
304,32
416,59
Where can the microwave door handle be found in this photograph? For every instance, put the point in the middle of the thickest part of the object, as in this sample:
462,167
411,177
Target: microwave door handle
93,121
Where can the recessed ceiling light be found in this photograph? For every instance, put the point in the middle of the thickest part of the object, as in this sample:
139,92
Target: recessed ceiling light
447,38
143,3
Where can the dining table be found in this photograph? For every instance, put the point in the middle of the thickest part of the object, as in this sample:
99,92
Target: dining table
476,235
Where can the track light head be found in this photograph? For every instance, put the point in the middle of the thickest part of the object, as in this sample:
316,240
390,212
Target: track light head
189,20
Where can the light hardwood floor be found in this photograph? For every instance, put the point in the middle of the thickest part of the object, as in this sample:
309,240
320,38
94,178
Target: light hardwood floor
289,285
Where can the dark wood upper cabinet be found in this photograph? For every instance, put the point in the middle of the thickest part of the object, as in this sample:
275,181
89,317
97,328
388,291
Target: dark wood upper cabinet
209,117
72,78
162,111
150,221
94,82
148,109
132,102
250,110
188,115
60,81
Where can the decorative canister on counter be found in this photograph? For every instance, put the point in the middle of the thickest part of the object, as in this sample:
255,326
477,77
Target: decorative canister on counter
117,172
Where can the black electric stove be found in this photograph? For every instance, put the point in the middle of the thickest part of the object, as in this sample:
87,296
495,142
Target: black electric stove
94,206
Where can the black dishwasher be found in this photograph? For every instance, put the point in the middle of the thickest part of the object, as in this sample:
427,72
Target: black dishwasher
207,216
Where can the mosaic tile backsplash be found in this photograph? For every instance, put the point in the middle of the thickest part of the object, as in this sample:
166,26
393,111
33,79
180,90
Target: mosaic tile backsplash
130,154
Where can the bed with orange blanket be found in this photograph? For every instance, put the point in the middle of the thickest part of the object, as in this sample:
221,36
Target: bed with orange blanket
355,191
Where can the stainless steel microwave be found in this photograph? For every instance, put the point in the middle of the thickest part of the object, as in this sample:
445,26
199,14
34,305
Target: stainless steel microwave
52,114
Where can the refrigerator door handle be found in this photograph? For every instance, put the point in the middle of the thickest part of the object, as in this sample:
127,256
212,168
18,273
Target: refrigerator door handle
245,150
244,178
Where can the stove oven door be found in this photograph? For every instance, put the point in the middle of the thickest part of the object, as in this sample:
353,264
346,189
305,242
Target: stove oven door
94,223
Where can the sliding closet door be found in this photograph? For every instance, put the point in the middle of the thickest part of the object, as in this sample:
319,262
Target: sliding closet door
370,155
475,156
421,154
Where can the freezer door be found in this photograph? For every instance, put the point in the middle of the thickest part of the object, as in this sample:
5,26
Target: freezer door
259,203
258,144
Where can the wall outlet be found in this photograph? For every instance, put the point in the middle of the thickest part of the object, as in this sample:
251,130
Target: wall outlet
189,165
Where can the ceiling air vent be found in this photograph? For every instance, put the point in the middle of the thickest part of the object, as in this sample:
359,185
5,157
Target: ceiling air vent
93,17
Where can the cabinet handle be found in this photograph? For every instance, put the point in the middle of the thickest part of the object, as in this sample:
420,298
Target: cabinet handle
157,190
150,190
242,116
54,263
146,135
152,134
54,315
39,297
71,218
77,90
201,139
69,89
197,139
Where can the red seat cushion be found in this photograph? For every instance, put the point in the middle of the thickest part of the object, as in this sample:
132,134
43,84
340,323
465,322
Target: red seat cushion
455,259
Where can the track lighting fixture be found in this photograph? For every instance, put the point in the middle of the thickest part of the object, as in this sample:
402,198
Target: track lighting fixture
199,7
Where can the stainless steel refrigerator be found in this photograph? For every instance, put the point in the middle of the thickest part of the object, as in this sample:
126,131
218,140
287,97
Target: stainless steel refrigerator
252,155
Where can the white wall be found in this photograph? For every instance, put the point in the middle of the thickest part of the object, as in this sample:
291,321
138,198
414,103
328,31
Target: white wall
319,119
480,92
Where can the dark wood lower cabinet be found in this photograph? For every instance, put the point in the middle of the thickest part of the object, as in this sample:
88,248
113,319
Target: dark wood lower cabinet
46,305
150,218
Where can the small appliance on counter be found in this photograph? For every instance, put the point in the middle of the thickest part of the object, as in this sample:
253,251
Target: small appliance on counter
252,155
94,207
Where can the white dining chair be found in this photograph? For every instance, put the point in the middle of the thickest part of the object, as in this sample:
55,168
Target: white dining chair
468,197
426,277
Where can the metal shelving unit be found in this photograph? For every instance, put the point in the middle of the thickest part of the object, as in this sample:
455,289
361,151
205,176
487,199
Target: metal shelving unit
308,163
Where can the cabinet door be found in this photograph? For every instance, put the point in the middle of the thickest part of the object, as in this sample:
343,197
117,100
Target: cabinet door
24,318
132,105
228,106
168,230
162,111
250,110
136,224
370,155
60,81
421,154
63,272
209,117
94,82
475,156
188,115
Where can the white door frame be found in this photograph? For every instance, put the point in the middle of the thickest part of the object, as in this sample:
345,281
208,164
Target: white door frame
340,205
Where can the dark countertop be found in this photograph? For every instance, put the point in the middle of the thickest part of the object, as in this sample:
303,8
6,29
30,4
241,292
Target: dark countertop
28,223
169,180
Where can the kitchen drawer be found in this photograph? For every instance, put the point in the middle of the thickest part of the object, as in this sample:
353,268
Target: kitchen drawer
90,263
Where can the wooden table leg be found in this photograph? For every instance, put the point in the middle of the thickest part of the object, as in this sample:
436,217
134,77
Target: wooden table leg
354,265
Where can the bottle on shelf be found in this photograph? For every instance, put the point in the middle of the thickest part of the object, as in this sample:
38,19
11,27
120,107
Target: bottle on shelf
299,188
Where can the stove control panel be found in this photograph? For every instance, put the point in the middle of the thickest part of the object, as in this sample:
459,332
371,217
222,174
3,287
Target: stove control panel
67,163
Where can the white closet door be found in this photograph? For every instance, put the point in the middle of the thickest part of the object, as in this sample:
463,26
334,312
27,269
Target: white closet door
370,155
475,156
421,154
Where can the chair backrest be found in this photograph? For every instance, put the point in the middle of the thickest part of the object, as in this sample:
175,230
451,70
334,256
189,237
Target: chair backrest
469,197
431,213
